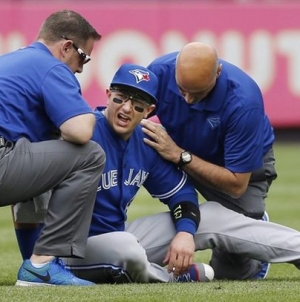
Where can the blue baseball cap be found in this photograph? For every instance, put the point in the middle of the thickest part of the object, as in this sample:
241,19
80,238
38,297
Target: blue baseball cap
142,80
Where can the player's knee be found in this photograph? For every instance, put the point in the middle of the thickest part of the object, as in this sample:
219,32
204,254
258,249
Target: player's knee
255,214
133,253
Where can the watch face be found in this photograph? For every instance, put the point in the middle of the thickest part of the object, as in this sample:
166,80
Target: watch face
186,157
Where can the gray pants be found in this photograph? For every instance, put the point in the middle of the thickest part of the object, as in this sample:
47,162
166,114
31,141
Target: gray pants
72,172
137,254
252,204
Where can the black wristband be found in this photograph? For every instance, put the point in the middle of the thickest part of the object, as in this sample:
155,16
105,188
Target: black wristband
188,210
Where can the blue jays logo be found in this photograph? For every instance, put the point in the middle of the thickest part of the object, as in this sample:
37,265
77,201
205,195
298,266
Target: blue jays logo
140,75
214,122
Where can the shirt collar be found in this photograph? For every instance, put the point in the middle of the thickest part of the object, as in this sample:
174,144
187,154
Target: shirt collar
41,46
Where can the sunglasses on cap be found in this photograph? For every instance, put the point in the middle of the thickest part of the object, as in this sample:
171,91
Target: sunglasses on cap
122,96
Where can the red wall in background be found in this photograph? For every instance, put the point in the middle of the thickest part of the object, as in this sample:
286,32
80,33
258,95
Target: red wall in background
261,38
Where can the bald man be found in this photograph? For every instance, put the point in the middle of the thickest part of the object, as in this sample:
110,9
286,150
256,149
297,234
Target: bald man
218,133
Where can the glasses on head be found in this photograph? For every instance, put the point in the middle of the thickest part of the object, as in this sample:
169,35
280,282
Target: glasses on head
122,96
83,56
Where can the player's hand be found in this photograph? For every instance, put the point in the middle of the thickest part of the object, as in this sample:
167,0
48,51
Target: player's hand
180,254
161,141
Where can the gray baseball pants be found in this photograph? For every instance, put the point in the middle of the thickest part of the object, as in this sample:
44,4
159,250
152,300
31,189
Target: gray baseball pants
252,204
71,171
137,254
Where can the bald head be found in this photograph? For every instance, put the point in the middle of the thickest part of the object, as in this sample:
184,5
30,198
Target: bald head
197,67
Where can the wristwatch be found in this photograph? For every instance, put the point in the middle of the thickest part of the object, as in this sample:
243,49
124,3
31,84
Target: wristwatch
185,158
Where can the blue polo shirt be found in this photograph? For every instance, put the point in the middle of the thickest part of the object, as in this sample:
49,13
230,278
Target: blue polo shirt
228,128
37,94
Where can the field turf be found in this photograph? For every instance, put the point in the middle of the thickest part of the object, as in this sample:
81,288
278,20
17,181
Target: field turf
282,283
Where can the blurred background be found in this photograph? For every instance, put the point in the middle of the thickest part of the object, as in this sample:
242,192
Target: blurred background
260,36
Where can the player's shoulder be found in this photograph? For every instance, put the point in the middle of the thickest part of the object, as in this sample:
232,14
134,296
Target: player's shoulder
137,138
98,112
166,59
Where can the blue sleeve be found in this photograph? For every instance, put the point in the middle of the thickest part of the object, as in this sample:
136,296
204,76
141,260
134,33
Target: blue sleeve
244,142
62,95
171,186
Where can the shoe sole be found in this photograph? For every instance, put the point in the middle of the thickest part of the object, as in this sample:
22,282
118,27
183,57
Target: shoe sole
26,283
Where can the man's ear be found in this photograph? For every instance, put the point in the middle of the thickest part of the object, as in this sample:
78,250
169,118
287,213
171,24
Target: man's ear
65,48
108,94
149,110
219,70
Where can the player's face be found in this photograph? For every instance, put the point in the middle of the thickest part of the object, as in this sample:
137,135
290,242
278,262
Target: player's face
77,56
125,110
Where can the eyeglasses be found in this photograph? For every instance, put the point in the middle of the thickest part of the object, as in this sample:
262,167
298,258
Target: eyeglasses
123,96
83,56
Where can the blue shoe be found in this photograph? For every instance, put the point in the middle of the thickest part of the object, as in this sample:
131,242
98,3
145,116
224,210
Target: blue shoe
265,266
197,272
262,274
53,273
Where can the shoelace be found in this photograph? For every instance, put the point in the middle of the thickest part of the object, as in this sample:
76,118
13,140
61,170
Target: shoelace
186,276
62,265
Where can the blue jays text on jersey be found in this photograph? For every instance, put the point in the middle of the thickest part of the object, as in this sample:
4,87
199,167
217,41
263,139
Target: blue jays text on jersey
129,165
110,179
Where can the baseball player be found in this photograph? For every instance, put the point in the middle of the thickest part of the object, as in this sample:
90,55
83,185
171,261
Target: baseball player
136,252
129,165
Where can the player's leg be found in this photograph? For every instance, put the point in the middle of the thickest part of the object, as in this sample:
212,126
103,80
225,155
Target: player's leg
238,234
27,234
73,172
28,219
233,266
116,257
220,227
154,233
252,204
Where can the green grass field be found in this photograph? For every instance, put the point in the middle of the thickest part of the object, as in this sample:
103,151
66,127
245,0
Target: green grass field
282,283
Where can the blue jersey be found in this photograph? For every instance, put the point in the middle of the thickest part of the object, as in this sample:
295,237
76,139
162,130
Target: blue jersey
130,165
37,94
228,128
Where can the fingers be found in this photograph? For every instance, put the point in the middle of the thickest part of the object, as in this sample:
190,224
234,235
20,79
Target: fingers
160,141
149,124
181,253
179,264
167,258
155,137
153,130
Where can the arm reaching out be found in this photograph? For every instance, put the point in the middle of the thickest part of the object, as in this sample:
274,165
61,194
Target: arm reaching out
219,178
